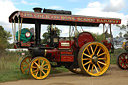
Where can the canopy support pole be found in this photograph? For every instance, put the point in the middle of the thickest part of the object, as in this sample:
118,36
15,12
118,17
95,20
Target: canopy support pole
111,39
19,30
70,32
14,30
75,30
103,31
111,33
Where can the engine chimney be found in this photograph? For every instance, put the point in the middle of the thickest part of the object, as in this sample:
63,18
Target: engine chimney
37,9
37,26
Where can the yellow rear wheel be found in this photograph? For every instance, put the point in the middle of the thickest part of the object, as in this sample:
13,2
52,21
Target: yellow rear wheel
94,59
40,68
24,65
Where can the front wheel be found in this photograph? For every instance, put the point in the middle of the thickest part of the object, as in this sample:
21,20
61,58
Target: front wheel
40,68
94,59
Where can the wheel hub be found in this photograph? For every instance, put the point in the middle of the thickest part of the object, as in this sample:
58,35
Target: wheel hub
41,68
94,59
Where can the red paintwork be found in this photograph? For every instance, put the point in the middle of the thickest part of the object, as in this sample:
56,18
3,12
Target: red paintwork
60,17
108,45
62,55
15,46
66,58
64,41
26,44
54,52
83,38
66,52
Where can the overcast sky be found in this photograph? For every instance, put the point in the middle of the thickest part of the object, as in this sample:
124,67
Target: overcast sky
100,8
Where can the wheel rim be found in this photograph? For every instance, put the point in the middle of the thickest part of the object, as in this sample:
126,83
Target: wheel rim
76,70
40,68
123,60
95,59
24,65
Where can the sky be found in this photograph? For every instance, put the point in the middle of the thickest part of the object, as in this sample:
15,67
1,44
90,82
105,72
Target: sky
99,8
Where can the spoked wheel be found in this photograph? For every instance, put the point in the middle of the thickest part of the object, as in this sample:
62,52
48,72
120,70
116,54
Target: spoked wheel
94,59
76,70
122,61
24,65
40,68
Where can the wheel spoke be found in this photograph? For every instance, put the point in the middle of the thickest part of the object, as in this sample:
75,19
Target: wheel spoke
45,68
88,67
40,73
34,67
98,51
24,65
92,49
86,55
45,65
95,48
92,68
26,62
88,51
37,73
96,68
29,59
42,63
86,59
43,72
36,64
87,63
26,68
101,63
101,58
102,54
39,62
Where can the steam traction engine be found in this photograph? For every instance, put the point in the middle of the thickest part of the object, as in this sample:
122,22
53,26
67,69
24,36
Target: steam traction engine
79,54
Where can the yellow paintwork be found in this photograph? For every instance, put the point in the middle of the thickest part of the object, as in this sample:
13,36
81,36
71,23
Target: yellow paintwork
100,67
40,68
123,45
24,65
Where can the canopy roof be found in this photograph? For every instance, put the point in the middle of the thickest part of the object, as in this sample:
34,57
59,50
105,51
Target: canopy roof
61,19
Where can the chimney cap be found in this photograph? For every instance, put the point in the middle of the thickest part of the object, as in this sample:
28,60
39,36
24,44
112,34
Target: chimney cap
37,9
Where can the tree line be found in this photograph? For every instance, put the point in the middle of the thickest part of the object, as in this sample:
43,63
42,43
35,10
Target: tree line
4,39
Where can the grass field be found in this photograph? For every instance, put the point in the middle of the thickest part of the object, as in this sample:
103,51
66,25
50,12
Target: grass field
10,66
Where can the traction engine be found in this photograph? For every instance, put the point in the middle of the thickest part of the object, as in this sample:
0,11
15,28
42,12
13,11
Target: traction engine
80,54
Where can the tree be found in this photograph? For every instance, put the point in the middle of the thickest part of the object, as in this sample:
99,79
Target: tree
120,34
4,37
124,28
98,37
126,34
47,34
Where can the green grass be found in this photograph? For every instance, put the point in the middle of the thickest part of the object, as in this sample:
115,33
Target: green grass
10,66
115,54
12,75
